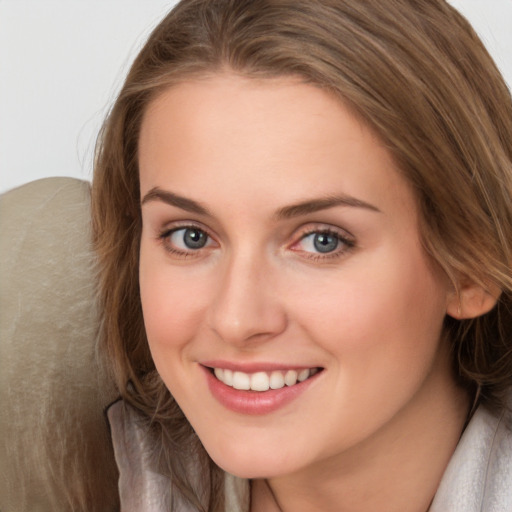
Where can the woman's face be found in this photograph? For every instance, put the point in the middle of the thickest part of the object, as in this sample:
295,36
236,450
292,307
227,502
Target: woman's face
280,243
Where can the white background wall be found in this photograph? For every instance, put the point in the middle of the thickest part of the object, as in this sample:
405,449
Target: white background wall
62,62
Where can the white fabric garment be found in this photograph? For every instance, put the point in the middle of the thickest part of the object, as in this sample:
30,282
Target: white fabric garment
479,475
141,489
477,479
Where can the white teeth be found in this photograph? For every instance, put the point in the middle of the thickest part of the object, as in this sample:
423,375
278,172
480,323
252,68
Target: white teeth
290,378
260,381
303,375
263,381
241,381
228,378
276,380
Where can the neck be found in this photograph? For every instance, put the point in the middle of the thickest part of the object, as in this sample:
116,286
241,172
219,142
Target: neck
400,465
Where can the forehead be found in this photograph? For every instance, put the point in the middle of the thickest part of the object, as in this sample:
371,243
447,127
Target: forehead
275,137
244,109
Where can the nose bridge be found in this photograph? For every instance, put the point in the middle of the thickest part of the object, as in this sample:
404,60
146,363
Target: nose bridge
246,307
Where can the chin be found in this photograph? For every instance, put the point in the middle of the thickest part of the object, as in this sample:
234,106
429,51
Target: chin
252,460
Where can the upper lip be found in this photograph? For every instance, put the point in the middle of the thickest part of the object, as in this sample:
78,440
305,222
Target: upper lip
253,367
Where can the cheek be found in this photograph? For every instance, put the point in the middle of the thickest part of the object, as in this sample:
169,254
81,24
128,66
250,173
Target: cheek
389,305
381,327
171,319
172,304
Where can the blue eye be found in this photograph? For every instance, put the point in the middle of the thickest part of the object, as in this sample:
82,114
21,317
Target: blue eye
324,242
320,242
185,239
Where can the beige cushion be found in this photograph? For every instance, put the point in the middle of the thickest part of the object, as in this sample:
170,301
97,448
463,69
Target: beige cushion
55,448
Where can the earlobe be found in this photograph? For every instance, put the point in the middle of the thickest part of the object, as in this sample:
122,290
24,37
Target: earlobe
472,301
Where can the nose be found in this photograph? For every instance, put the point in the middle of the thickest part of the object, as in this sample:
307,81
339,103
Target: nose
247,307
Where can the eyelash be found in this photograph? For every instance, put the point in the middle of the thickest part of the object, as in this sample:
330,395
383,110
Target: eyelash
345,241
165,234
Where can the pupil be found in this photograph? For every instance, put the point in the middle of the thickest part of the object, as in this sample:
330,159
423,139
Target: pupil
194,239
325,242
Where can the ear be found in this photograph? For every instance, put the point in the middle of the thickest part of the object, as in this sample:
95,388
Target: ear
472,301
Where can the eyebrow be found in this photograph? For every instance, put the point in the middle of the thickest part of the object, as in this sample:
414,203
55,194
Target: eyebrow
157,194
287,212
315,205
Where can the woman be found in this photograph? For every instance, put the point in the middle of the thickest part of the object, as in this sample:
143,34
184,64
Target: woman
303,213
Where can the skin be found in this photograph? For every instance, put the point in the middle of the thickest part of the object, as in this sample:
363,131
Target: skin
377,427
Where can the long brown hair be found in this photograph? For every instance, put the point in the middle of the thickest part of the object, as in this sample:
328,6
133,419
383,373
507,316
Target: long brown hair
416,72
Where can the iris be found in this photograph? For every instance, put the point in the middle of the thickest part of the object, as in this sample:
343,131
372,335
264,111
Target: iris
325,242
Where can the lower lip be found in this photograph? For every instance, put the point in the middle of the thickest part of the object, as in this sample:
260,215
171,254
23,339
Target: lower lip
255,402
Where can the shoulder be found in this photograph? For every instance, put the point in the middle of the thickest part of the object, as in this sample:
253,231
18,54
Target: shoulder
479,475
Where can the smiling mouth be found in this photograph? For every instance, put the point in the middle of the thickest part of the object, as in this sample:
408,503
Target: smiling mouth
263,381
